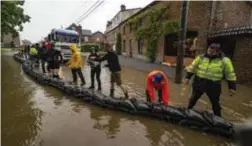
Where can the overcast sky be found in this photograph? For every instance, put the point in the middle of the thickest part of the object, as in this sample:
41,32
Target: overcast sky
49,14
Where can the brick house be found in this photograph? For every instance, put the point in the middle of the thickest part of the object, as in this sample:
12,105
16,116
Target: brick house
97,37
112,26
85,34
207,22
232,27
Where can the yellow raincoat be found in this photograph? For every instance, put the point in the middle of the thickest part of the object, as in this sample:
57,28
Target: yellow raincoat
76,59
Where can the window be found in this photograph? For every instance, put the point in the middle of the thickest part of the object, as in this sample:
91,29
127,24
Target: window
124,30
140,46
124,46
140,21
130,27
86,39
130,47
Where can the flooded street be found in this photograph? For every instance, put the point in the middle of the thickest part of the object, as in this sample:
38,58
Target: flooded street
36,115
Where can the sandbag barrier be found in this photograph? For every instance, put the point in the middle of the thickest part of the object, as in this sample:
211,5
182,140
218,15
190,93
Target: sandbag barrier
202,121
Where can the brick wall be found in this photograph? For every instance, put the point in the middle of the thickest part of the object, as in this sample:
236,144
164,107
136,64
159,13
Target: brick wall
242,61
198,19
231,14
97,38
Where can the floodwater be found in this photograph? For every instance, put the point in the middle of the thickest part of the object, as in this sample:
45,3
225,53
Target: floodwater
36,115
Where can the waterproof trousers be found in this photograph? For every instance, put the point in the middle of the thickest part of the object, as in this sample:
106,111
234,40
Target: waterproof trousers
96,72
212,90
76,71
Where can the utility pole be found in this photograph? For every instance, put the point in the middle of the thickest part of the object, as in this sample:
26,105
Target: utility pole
181,46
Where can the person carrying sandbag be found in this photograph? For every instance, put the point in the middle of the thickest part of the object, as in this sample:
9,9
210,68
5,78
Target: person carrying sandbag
115,69
209,69
157,80
93,61
75,63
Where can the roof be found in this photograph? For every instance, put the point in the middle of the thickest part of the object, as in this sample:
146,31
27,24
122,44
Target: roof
124,11
86,32
235,31
140,11
66,31
97,32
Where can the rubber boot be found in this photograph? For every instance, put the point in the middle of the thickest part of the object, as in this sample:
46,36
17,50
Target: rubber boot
111,92
91,87
99,87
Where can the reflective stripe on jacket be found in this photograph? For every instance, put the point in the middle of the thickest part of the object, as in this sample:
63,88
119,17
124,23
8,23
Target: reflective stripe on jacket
213,69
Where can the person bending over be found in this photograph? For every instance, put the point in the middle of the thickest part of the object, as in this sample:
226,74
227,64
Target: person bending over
157,80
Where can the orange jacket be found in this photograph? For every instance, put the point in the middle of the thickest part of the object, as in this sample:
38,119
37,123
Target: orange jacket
163,86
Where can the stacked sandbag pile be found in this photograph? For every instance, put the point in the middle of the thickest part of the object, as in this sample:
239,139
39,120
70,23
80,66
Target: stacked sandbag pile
203,121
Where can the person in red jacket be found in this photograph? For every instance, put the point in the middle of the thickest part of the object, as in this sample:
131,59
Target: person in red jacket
157,79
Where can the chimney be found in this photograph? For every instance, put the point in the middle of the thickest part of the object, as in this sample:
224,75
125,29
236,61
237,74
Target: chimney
123,7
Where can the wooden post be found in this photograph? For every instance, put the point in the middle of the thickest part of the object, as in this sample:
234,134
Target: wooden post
181,47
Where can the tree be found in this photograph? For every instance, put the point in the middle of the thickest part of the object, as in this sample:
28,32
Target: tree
118,44
13,17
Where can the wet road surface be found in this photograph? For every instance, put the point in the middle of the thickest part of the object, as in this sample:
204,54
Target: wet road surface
39,115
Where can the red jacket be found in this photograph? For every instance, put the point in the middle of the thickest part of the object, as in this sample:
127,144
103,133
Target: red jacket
47,44
163,86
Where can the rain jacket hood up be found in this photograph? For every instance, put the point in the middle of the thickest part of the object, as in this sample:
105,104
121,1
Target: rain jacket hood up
76,60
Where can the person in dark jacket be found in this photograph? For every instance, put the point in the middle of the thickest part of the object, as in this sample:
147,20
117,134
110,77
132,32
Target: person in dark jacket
93,61
48,56
115,69
209,69
43,57
57,59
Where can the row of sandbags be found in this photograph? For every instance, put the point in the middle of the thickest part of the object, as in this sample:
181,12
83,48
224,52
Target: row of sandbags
203,121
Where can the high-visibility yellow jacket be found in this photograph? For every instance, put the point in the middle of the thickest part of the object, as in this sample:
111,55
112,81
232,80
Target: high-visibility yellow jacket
33,51
76,59
212,69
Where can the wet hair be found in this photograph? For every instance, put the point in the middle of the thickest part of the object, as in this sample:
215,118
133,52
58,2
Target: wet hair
215,46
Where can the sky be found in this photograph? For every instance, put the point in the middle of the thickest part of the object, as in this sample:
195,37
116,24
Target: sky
48,14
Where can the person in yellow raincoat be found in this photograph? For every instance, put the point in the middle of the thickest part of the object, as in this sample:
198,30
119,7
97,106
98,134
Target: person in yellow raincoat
75,63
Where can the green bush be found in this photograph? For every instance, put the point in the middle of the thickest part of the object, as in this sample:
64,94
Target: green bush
118,44
87,47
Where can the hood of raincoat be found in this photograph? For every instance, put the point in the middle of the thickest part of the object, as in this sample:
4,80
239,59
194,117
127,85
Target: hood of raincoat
74,48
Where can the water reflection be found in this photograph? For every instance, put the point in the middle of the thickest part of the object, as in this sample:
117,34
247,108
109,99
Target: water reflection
110,124
21,121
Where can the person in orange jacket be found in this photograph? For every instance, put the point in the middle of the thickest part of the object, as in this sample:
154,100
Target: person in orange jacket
158,80
75,63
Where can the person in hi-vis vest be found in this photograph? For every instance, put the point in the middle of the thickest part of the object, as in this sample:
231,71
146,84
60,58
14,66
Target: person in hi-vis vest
209,69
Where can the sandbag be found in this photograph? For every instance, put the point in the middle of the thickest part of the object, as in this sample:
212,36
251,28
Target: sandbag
216,121
68,89
111,102
99,99
172,114
141,105
195,118
126,105
87,95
